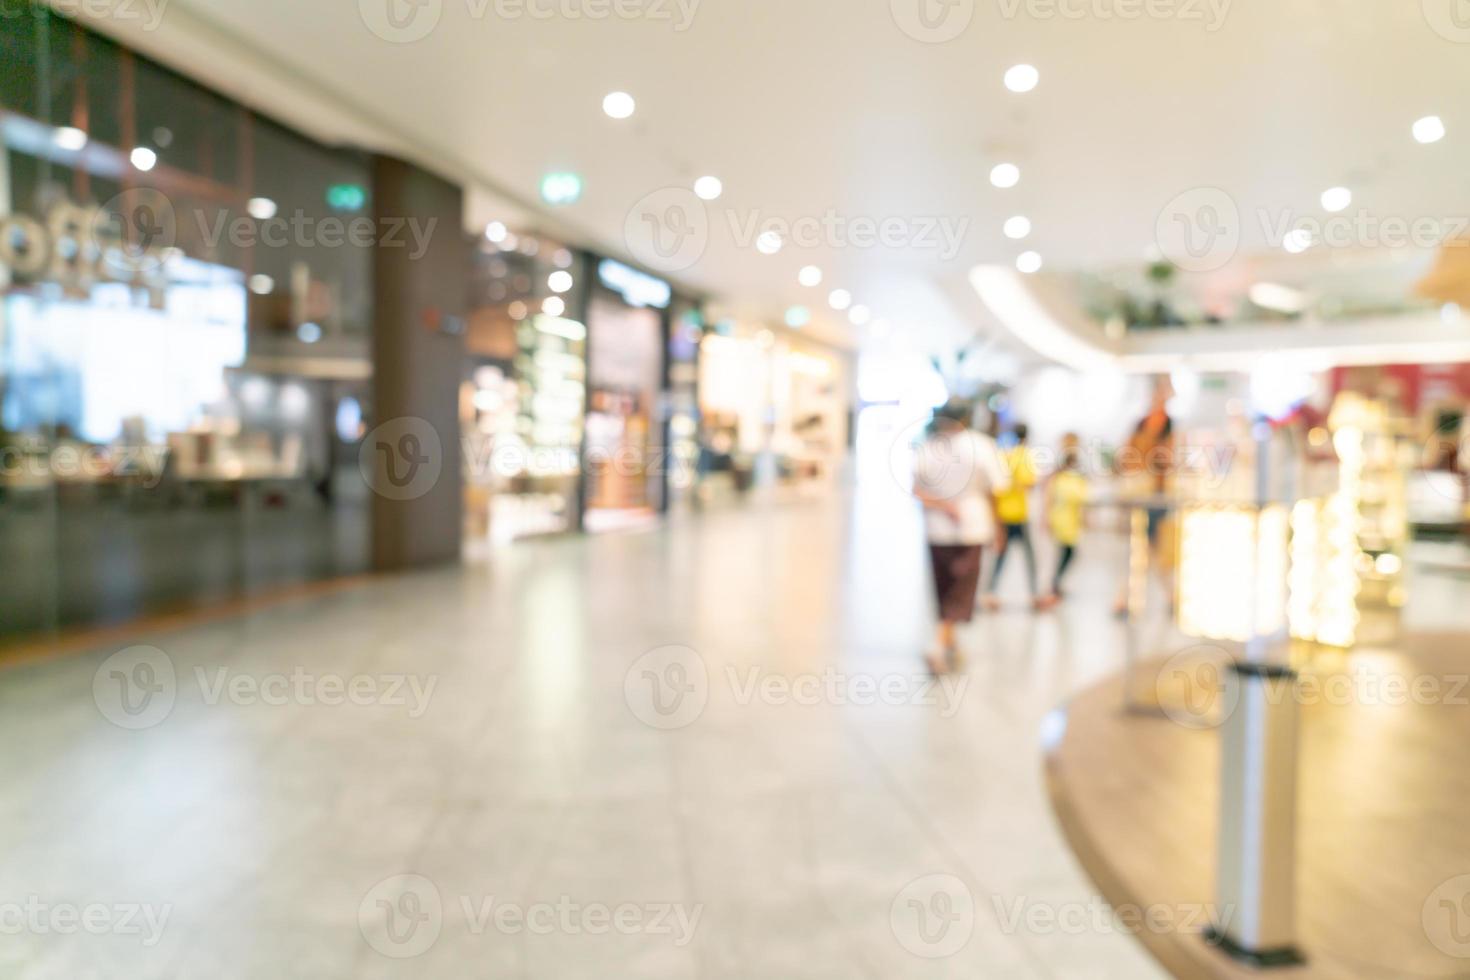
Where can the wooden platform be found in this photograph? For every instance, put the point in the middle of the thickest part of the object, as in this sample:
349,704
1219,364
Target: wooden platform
1383,814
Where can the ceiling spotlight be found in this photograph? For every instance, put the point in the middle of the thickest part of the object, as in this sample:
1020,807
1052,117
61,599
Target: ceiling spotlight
553,306
1018,227
798,317
69,138
769,243
709,188
1297,241
559,281
809,275
143,158
1005,175
839,299
1028,262
859,316
1336,199
495,231
619,105
1430,129
261,208
1022,78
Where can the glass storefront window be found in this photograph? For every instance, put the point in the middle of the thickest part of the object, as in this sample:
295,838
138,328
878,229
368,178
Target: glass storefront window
525,389
181,403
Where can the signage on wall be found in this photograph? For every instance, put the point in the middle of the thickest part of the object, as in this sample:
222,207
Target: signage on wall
75,246
636,288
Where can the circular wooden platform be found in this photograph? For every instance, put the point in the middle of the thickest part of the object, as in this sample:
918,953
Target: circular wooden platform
1383,810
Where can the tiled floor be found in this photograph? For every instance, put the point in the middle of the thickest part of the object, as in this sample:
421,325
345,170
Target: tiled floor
566,803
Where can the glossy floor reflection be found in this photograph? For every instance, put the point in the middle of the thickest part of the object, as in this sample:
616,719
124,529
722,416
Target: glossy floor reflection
483,772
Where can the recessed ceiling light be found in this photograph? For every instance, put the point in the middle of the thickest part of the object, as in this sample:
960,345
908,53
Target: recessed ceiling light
798,317
559,281
1005,175
143,158
769,243
1018,227
1022,78
262,285
261,208
1430,129
1297,241
1336,198
619,105
69,138
709,188
839,299
553,306
1028,262
809,275
495,231
859,315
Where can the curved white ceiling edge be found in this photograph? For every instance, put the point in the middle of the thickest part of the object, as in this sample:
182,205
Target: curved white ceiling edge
1060,332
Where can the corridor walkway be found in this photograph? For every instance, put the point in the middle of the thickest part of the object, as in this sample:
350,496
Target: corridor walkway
504,771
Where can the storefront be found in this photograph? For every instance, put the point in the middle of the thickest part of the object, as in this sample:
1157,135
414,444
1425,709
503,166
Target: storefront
625,461
524,394
183,373
775,411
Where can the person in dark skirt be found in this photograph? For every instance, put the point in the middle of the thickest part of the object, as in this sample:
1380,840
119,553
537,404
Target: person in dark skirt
957,473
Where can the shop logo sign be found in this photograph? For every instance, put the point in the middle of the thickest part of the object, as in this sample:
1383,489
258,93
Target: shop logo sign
402,459
1199,230
135,688
401,917
668,230
934,916
127,239
1450,19
932,21
667,688
401,21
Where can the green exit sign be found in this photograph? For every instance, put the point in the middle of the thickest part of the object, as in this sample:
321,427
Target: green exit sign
346,197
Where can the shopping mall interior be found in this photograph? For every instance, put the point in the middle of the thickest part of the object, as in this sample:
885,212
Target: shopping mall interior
554,489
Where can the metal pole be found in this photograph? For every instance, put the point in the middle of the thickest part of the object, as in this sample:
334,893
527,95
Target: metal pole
1255,920
1256,874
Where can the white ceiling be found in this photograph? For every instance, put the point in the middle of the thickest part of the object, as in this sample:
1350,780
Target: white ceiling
801,106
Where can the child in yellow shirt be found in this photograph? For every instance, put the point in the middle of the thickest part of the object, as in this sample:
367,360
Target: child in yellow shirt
1066,496
1012,509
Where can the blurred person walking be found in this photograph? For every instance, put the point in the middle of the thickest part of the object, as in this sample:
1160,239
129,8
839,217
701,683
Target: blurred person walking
1066,495
957,474
1146,465
1013,509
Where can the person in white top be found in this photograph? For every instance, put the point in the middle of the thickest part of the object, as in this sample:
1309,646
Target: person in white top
957,473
